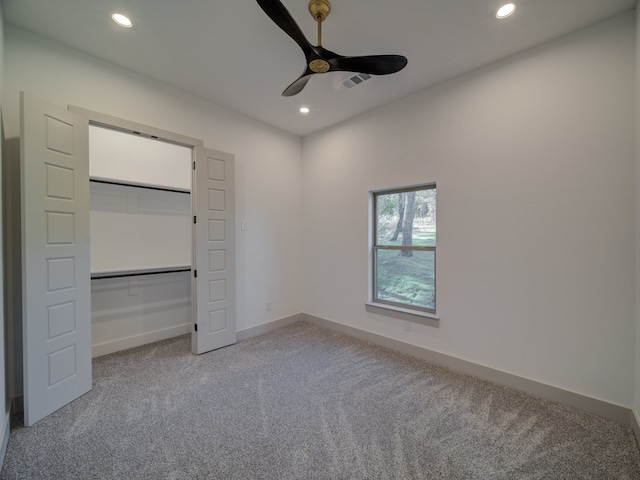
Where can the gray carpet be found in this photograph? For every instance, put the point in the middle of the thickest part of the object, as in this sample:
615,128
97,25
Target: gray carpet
306,403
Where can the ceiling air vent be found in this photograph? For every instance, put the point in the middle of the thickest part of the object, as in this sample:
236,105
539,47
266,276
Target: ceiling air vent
358,79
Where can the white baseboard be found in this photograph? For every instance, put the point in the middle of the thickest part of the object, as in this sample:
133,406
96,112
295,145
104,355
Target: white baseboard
6,428
113,346
595,406
267,327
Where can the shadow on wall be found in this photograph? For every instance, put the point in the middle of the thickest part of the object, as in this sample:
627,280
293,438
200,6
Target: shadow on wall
13,268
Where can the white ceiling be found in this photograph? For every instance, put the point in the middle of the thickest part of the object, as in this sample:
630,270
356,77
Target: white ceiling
231,53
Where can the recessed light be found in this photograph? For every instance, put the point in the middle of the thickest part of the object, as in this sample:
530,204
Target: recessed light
304,110
505,10
122,20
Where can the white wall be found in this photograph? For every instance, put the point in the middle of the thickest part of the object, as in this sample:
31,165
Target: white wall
268,170
636,405
534,163
127,312
4,400
135,228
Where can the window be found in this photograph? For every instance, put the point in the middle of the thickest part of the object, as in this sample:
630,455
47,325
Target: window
404,247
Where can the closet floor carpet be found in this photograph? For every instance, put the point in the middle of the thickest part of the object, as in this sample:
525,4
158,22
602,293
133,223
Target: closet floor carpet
302,402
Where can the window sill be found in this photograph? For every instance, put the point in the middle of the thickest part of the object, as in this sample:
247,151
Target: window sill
407,314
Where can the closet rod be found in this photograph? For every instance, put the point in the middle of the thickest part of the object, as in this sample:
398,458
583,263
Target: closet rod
100,276
148,187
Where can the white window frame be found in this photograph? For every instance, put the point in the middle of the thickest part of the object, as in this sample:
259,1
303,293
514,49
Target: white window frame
395,309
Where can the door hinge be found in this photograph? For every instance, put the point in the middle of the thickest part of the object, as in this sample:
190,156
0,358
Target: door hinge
195,326
194,219
194,165
195,273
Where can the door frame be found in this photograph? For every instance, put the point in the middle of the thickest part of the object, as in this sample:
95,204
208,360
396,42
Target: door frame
128,126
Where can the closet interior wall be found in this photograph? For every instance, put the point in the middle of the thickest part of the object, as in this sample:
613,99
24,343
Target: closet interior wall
140,225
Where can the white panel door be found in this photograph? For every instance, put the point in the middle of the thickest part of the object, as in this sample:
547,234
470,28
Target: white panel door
56,296
214,251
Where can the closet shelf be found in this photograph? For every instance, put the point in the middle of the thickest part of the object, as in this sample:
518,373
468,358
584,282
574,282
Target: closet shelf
126,183
139,272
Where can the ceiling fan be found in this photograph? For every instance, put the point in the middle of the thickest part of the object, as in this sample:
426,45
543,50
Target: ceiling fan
318,58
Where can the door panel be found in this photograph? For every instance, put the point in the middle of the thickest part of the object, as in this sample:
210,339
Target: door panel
56,295
214,251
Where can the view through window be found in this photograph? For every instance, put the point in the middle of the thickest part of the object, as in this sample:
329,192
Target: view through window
404,250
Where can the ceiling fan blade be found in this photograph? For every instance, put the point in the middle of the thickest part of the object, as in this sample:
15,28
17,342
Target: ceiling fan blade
297,86
281,17
372,64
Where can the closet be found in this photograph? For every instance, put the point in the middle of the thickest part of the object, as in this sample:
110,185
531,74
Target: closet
126,223
140,239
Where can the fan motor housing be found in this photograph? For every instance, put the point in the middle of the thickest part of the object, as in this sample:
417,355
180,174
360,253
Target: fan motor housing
319,66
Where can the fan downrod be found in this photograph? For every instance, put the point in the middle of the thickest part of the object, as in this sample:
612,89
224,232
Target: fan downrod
319,10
